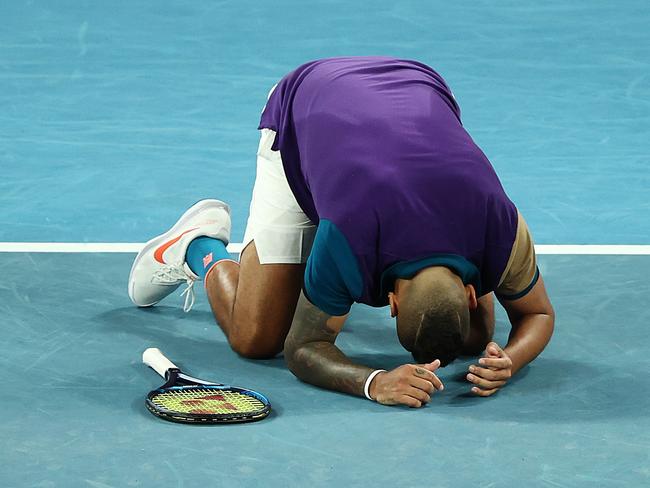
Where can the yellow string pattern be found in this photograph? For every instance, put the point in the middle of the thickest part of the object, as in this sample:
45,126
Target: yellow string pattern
207,402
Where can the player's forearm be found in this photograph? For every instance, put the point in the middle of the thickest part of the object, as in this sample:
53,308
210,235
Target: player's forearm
530,335
312,356
323,364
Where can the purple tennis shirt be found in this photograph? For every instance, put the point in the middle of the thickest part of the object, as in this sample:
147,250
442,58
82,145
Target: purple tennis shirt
375,153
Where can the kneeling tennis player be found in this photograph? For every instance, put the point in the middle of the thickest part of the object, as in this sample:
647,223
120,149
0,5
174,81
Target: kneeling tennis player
368,190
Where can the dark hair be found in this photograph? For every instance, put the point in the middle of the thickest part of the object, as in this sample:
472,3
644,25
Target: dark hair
441,334
437,332
433,316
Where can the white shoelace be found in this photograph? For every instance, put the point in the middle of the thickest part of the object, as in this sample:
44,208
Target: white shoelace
172,274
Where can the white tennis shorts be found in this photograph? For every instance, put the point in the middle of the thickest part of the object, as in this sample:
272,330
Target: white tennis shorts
283,234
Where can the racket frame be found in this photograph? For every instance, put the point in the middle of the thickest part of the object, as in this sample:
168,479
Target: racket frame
176,380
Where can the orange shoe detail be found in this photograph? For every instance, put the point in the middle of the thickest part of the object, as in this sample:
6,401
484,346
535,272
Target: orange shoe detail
158,254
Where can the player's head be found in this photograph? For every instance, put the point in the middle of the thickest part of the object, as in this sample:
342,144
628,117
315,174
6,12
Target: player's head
432,311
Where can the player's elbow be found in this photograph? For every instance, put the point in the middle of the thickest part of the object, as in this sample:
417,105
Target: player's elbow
292,356
551,321
549,312
547,325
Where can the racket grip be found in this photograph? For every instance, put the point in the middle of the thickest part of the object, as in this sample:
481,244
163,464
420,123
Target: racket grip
156,360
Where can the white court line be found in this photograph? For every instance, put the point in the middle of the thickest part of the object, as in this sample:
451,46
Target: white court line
631,250
79,247
236,247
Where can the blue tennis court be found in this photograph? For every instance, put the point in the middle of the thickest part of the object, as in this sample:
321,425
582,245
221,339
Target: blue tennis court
116,117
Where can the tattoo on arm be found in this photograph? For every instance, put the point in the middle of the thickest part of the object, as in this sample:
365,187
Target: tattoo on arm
312,356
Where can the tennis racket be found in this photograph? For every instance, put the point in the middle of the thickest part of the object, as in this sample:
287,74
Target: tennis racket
190,400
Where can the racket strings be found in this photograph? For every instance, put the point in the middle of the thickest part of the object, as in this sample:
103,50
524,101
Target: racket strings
207,401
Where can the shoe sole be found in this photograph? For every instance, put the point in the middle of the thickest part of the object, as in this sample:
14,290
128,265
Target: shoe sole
155,242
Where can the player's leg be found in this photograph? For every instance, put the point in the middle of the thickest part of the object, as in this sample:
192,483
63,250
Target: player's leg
481,326
254,303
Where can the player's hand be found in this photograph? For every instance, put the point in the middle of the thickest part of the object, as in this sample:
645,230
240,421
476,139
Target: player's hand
492,372
410,384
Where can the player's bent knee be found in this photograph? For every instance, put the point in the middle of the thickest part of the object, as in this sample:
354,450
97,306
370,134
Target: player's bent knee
256,348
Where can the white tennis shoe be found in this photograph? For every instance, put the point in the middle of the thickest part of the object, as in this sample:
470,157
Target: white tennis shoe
160,267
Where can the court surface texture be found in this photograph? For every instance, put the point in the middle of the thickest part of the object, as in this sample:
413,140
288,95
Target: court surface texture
117,116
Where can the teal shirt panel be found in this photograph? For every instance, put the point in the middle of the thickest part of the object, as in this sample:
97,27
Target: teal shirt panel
333,281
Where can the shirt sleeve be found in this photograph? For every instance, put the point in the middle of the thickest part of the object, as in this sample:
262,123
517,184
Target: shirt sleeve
332,278
521,272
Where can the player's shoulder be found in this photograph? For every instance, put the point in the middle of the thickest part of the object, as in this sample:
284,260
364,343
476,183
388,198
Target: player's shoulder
333,280
521,272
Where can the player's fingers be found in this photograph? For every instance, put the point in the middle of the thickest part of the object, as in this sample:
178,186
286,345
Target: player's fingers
497,363
409,401
421,372
437,383
429,375
490,374
418,394
433,365
484,393
493,349
422,384
483,383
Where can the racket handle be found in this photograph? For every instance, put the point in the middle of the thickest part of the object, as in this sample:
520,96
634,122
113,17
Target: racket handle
156,360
